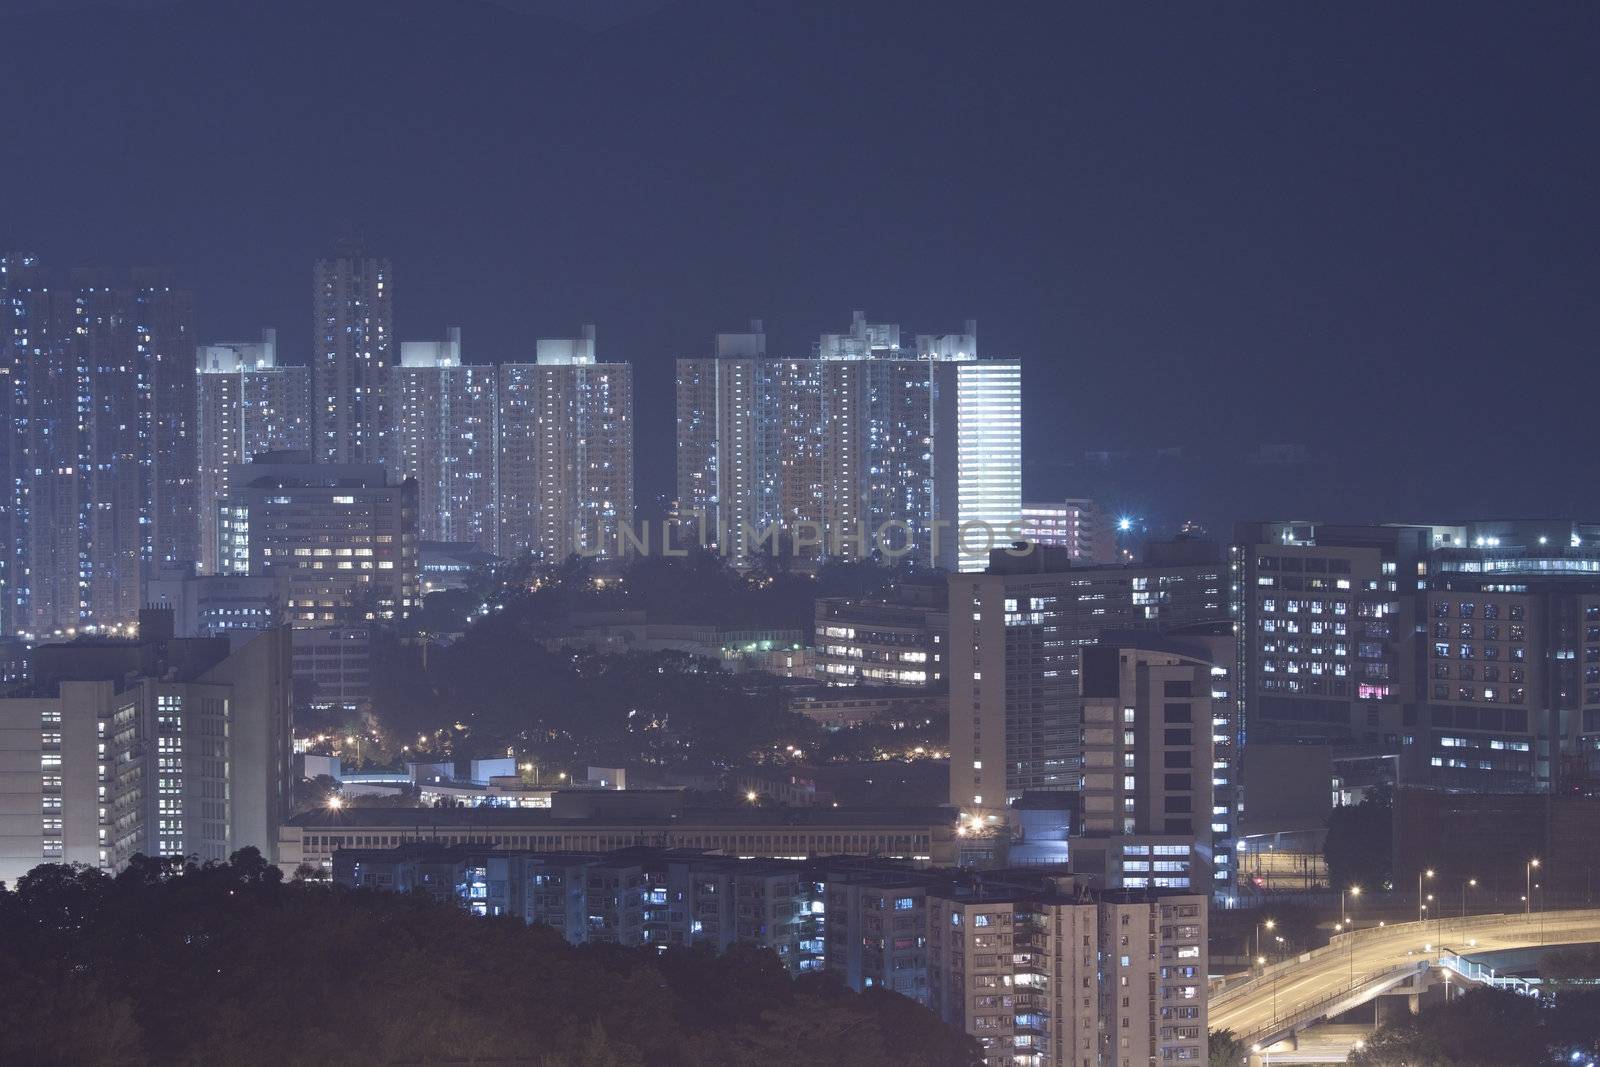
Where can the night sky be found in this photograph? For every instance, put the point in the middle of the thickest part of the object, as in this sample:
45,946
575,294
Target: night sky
1370,230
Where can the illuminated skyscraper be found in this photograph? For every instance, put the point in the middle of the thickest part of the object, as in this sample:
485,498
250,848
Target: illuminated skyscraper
566,451
353,327
977,458
248,404
101,450
444,437
865,446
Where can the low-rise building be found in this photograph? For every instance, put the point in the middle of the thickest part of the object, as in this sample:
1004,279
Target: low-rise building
911,835
897,638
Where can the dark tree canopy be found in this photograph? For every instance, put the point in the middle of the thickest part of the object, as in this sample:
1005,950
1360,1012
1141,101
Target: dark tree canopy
227,963
1490,1028
1360,844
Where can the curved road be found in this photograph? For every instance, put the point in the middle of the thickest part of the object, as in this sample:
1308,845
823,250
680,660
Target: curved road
1262,1004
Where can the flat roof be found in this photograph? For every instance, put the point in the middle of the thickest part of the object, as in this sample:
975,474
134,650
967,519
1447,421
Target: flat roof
350,817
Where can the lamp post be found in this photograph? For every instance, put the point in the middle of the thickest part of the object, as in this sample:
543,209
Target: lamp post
1421,907
1352,891
1473,882
1269,924
1528,882
1349,936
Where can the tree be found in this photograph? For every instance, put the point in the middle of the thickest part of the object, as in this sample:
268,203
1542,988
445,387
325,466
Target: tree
228,963
1483,1027
1360,843
1223,1049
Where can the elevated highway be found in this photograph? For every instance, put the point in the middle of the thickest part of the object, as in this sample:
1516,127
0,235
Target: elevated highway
1359,966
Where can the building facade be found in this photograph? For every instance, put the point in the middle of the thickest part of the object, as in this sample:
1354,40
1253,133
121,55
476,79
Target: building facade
866,447
342,537
444,436
216,605
1470,651
1046,976
898,638
352,297
100,451
248,404
565,452
1079,526
1016,633
1149,752
162,747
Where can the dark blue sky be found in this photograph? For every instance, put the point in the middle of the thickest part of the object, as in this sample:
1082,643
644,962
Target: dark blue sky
1366,229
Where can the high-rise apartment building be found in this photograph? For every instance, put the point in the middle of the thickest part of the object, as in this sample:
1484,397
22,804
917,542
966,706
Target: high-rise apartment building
160,746
1079,526
248,404
749,444
443,435
1043,975
342,537
1016,634
101,444
566,452
353,329
163,345
867,446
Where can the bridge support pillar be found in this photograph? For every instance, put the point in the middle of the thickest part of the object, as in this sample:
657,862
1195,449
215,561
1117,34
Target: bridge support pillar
1389,1008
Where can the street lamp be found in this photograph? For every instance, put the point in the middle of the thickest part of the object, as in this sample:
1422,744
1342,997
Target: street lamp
1354,891
1421,907
1528,891
1269,924
1473,882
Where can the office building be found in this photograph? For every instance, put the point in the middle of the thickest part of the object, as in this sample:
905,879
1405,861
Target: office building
341,536
218,605
977,459
100,451
353,329
565,452
1079,526
161,746
1016,632
1148,746
444,420
1469,651
248,404
1325,616
896,638
1509,698
332,669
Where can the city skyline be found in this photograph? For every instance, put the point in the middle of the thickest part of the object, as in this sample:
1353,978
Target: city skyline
1156,208
809,531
